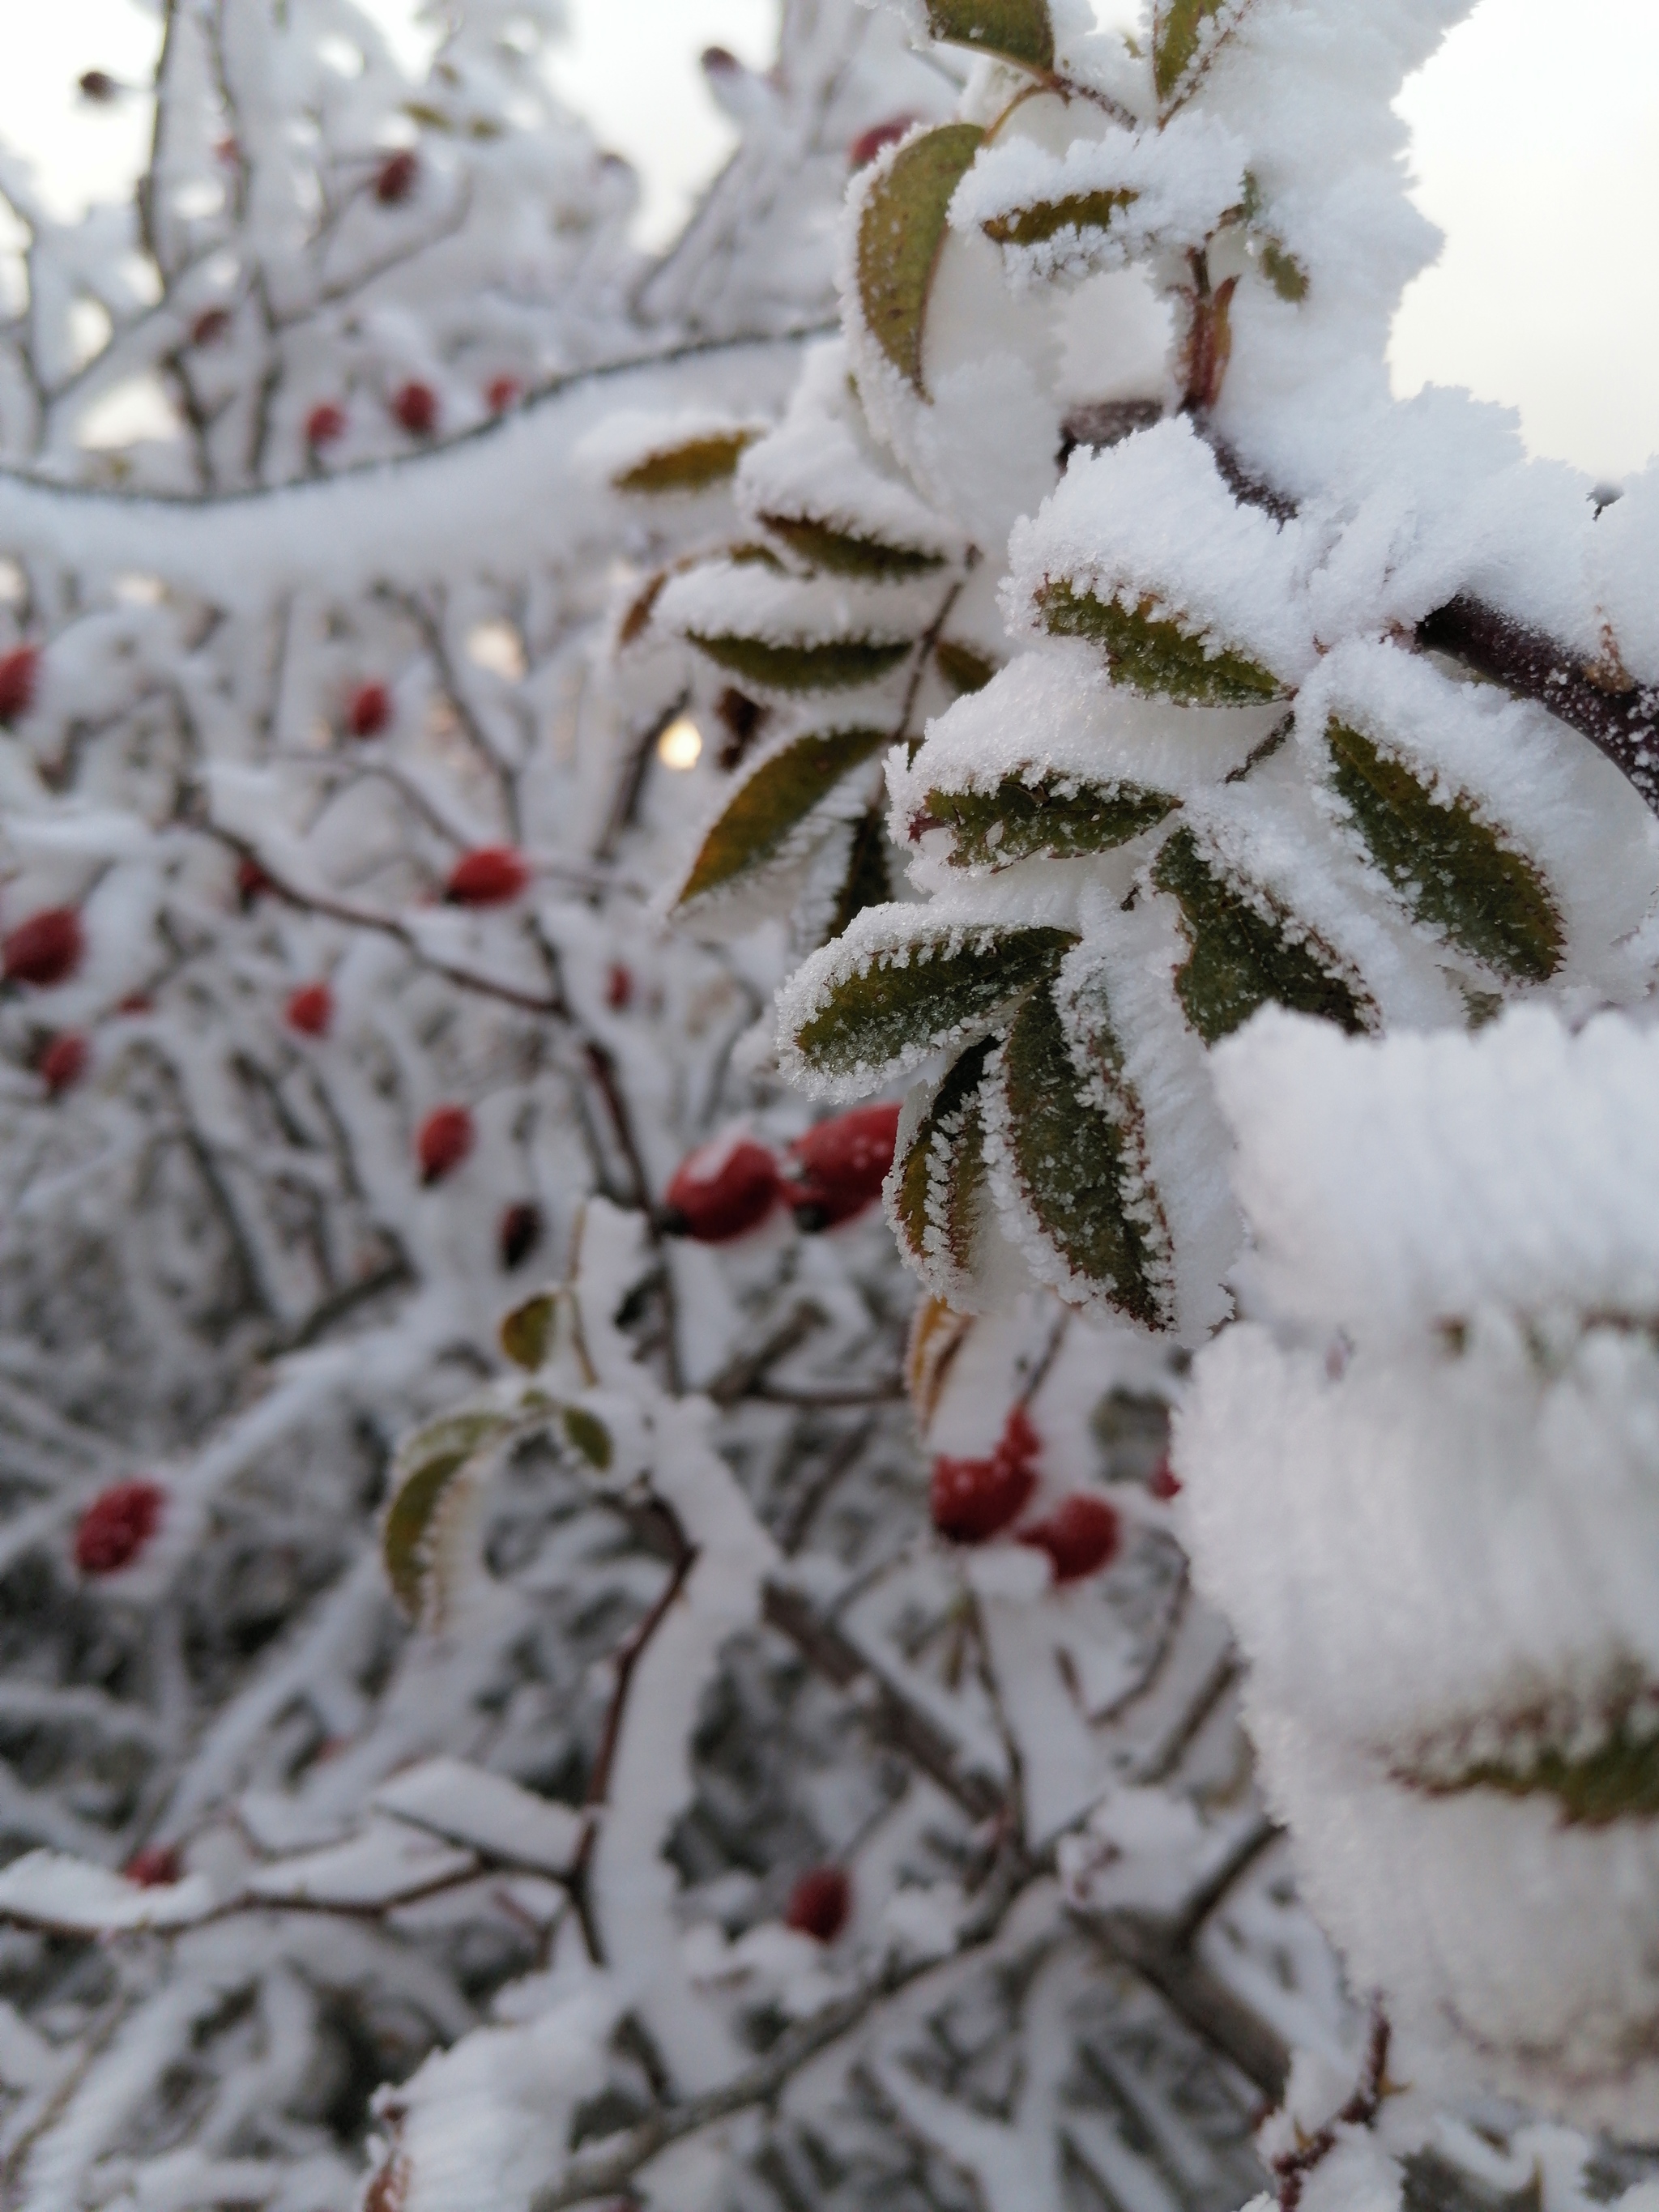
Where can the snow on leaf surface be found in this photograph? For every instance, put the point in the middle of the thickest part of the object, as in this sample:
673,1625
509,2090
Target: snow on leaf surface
467,1805
938,1186
389,1861
773,801
47,1888
902,227
429,1466
1017,30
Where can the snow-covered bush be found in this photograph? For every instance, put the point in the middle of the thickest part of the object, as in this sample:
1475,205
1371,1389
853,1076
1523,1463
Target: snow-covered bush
536,1671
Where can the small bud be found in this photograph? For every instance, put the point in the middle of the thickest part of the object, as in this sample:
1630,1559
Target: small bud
252,881
324,423
368,710
63,1061
155,1867
397,176
619,987
443,1141
99,87
820,1904
521,1233
19,670
868,144
118,1525
721,1191
209,327
136,1002
416,407
838,1167
310,1010
46,949
1166,1483
489,876
503,391
1081,1535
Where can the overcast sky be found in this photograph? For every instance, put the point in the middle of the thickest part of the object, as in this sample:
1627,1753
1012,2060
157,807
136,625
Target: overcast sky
1537,152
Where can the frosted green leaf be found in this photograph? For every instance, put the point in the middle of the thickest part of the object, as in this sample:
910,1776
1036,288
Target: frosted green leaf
1018,30
1059,815
1081,1172
1177,33
692,466
839,665
905,1001
1029,226
847,555
1149,654
1618,1782
942,1179
1241,958
1450,867
963,669
865,882
586,1434
901,231
774,801
1284,272
527,1332
426,1468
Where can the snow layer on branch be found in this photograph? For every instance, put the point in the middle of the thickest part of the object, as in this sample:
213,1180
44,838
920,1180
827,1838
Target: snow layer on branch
1176,184
466,1805
50,1889
1152,519
1392,1184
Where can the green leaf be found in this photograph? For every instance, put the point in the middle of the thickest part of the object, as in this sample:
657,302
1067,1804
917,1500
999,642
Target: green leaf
1058,815
1029,226
937,984
424,1476
963,669
586,1433
846,554
941,1185
773,801
838,665
1241,958
1018,30
865,881
1284,272
1082,1172
527,1332
1177,31
1618,1782
1149,654
901,231
1449,865
692,466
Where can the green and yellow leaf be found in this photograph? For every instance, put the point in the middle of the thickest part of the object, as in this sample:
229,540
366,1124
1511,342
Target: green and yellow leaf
1243,954
427,1469
771,803
1619,1780
1059,815
1082,1172
940,1191
1284,272
1044,219
588,1435
841,665
1451,868
527,1332
1178,34
905,1000
1148,652
692,465
901,231
1018,30
847,555
962,668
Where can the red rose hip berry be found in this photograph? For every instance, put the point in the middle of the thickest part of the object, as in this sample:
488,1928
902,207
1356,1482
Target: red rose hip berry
443,1141
19,671
868,144
721,1191
46,949
973,1499
1081,1535
502,392
324,423
118,1525
520,1234
491,875
416,407
310,1010
368,710
820,1904
157,1866
396,178
839,1166
63,1061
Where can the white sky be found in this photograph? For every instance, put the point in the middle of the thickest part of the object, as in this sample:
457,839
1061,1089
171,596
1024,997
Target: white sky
1537,152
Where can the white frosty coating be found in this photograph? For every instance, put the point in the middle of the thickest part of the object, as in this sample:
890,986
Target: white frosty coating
486,1812
889,937
1393,1183
1480,1217
386,1862
1182,180
50,1889
820,464
747,599
1152,518
634,435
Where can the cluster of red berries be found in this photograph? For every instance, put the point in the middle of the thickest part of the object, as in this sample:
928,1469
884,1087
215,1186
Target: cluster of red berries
413,406
972,1500
729,1187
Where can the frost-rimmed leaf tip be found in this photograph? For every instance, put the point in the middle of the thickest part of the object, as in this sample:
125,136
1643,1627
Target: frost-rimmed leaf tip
901,227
